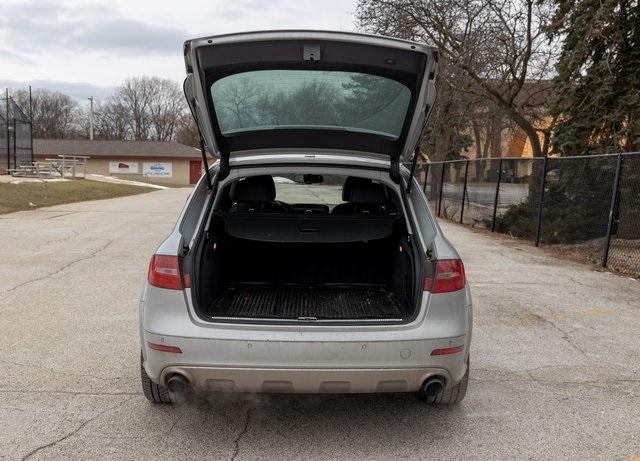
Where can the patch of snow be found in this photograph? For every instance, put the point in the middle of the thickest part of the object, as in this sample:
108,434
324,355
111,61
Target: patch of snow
281,180
113,179
32,180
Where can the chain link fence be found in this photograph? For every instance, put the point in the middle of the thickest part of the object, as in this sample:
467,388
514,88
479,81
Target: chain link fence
587,207
16,142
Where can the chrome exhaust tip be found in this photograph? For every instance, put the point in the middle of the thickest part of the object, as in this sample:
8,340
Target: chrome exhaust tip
433,386
180,386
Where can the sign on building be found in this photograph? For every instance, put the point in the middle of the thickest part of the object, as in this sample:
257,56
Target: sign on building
163,169
123,167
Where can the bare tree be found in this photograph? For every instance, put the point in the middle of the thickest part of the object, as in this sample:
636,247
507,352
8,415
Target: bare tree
499,45
187,132
447,133
134,96
54,115
142,108
166,108
110,121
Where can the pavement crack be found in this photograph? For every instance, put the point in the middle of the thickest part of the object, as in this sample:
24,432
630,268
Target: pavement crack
564,334
61,268
173,425
70,236
72,432
241,434
57,372
61,215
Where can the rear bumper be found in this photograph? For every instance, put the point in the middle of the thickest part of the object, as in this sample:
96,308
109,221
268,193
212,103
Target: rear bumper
304,380
290,358
305,366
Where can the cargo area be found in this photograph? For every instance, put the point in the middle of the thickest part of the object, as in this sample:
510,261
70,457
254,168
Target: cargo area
271,264
245,278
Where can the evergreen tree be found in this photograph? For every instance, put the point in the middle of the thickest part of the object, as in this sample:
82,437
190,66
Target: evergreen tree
597,105
597,88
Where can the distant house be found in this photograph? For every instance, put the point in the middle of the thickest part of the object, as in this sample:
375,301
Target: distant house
509,140
499,137
153,161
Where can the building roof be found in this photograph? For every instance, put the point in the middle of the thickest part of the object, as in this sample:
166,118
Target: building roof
110,149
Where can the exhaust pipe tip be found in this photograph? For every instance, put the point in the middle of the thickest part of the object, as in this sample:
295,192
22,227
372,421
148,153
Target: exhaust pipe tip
433,386
179,385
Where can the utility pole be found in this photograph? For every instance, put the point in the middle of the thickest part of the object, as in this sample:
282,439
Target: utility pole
31,124
6,97
90,118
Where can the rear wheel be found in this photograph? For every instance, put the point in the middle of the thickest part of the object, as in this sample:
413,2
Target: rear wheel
452,395
152,391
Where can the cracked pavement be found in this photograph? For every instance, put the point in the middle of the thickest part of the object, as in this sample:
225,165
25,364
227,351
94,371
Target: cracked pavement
555,358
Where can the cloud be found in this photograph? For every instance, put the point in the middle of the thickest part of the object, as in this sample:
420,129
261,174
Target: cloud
7,54
48,26
106,41
79,91
233,10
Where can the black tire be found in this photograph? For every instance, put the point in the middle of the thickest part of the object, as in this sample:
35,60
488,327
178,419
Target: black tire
452,395
153,392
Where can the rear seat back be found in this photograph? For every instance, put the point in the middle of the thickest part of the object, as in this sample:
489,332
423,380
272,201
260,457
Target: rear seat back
255,194
365,199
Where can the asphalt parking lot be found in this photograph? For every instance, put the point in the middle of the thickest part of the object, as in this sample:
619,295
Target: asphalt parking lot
555,358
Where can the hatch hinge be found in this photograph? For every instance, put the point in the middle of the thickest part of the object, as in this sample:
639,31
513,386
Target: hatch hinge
429,254
184,247
394,173
223,170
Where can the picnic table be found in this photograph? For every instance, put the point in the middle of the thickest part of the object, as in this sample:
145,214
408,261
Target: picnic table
35,170
69,164
63,165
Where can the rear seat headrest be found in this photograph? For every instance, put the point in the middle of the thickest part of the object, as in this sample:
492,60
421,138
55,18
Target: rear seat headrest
350,183
254,189
371,194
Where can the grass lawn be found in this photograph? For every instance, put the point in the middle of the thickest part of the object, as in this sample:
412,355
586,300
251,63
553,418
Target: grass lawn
30,195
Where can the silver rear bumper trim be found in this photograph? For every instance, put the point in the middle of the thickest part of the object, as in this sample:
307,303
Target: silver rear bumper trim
305,380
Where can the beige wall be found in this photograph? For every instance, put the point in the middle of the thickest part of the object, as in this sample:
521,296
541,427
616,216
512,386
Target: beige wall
180,170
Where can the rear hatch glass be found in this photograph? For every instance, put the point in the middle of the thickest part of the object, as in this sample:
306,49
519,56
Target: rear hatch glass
271,91
310,99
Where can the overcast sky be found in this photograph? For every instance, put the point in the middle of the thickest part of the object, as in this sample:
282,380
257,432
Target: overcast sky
85,48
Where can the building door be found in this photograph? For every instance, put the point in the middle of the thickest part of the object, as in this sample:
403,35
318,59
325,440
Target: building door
195,171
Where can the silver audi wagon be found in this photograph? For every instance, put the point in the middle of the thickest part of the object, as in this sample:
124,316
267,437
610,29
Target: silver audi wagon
306,260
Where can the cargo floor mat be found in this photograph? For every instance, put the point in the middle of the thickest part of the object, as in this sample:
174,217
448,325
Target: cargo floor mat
295,302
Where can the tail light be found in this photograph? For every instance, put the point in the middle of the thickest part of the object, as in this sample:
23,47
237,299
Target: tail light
164,272
448,276
447,350
165,348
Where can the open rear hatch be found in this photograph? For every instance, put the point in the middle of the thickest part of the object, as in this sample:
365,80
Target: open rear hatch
312,91
271,93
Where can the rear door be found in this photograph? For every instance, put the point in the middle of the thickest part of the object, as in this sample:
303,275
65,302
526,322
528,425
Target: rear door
309,91
195,171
